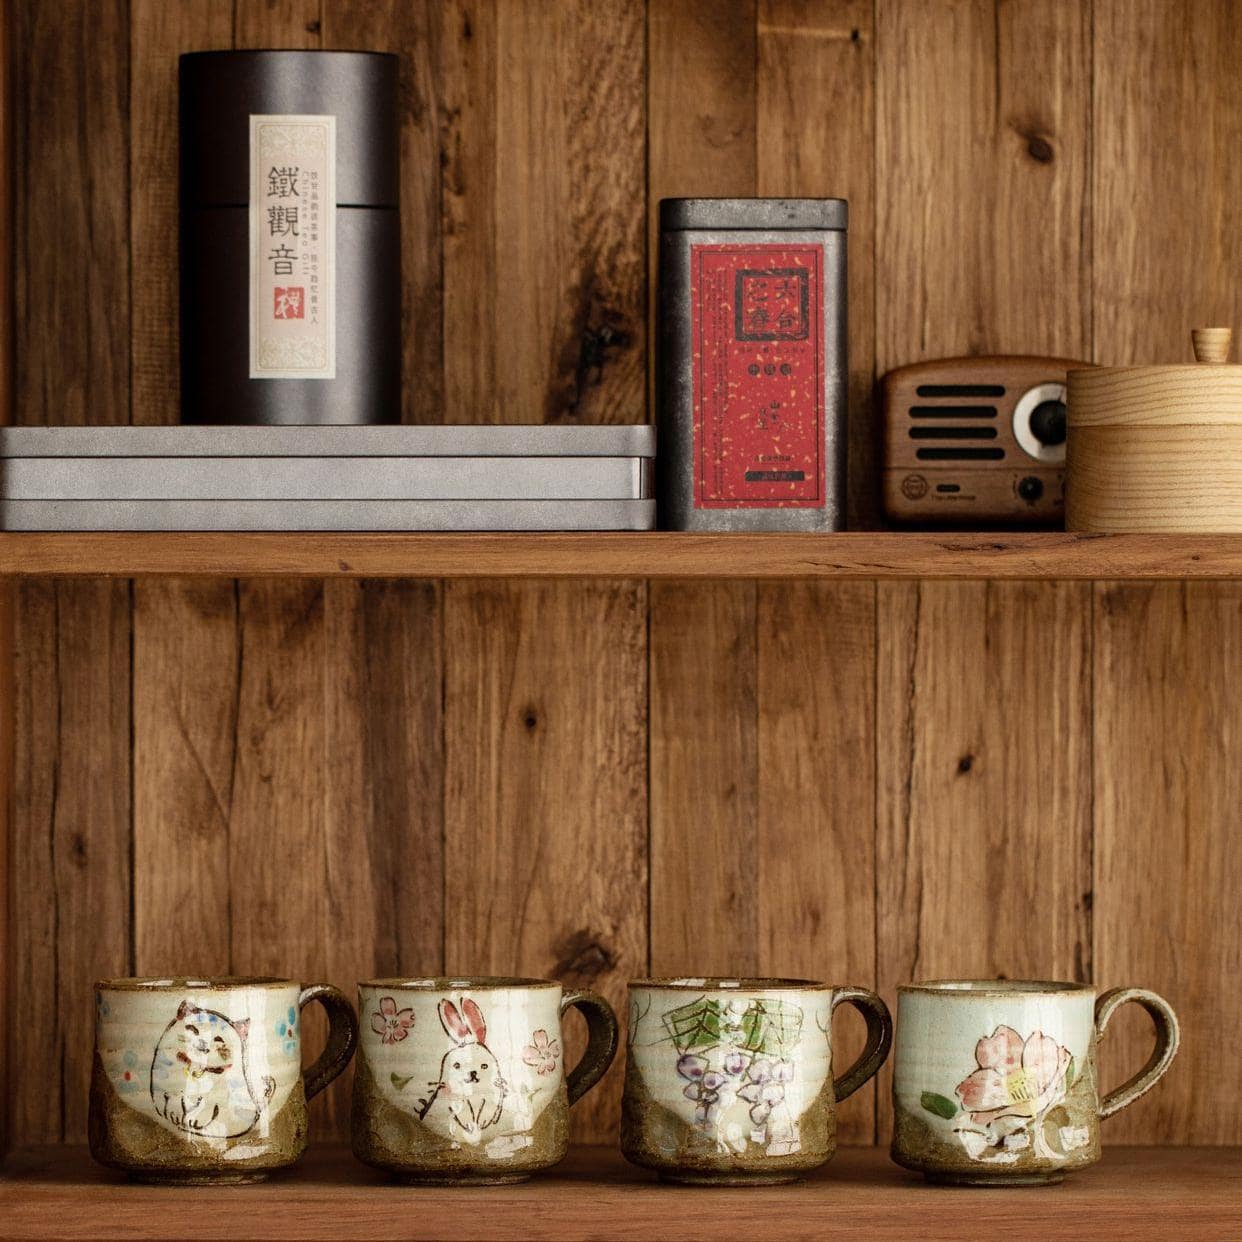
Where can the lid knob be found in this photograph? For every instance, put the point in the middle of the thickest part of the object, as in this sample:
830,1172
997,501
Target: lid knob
1211,344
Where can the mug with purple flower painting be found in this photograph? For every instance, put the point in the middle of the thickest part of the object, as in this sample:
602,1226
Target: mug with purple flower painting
731,1080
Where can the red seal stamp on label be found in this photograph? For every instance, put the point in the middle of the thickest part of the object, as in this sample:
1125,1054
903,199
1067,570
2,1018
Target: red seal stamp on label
289,303
757,323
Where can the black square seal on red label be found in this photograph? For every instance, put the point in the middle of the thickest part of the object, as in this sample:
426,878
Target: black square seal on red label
771,305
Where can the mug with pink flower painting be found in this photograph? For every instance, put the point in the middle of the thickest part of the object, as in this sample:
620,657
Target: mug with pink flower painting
464,1080
995,1083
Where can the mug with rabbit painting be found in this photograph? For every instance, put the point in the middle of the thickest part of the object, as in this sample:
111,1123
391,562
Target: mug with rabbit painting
464,1080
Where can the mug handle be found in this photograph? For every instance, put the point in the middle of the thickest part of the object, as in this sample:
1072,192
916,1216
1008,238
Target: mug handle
1168,1035
879,1037
342,1036
601,1041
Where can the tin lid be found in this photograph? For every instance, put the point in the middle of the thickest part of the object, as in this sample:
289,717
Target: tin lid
221,90
766,214
447,440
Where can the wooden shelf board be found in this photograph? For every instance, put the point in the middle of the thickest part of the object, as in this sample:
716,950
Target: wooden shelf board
1134,1193
855,554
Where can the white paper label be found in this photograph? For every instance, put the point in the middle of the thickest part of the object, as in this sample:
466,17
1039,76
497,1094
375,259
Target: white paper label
292,247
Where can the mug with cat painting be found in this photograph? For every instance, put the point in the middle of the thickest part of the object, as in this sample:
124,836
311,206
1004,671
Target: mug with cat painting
200,1080
463,1081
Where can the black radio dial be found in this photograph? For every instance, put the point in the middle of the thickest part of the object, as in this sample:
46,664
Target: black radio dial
1048,422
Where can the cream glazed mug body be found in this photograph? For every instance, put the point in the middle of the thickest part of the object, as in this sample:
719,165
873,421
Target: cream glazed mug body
995,1081
730,1081
201,1080
463,1081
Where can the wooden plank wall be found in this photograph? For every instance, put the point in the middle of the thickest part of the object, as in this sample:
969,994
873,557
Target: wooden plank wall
593,780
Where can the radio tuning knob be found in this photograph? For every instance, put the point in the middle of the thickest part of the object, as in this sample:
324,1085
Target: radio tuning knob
1048,422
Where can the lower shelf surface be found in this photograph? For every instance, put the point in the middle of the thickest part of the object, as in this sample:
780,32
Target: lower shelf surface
1134,1193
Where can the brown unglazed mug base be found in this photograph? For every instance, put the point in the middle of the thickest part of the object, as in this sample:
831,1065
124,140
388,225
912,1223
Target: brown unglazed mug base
459,1179
728,1179
999,1181
172,1177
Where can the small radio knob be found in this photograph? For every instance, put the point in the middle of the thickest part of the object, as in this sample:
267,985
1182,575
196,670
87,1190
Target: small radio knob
1048,422
1030,489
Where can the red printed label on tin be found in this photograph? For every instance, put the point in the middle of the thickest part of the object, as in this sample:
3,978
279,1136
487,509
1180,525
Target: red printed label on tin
757,321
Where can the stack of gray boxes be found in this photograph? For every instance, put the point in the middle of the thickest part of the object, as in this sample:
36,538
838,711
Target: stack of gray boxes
326,478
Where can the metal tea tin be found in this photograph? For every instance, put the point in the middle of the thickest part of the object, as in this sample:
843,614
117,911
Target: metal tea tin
290,237
752,388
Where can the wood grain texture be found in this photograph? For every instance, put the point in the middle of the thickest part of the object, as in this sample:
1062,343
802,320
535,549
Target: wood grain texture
852,555
1155,478
277,23
543,250
1166,109
814,865
1167,723
704,780
983,806
412,30
970,259
186,689
1135,1195
383,865
71,841
982,150
543,322
545,773
158,33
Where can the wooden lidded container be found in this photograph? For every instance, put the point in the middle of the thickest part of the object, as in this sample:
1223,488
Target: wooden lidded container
1157,448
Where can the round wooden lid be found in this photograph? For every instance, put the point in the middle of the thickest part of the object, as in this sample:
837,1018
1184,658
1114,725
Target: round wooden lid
1207,393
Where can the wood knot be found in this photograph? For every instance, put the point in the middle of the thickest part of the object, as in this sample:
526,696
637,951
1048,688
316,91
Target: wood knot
582,957
530,718
597,344
313,26
964,764
1039,148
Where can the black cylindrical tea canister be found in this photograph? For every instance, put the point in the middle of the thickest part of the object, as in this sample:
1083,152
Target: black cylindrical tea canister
752,387
290,238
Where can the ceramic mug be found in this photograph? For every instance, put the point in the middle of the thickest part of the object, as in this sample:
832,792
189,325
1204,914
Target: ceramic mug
201,1080
463,1081
994,1081
729,1081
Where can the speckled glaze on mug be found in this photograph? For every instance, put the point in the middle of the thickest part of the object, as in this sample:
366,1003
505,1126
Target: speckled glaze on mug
200,1080
463,1081
994,1081
729,1081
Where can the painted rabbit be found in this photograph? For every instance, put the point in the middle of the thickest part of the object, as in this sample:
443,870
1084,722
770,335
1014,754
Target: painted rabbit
471,1085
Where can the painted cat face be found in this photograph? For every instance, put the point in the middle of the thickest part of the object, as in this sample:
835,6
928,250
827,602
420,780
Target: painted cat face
203,1041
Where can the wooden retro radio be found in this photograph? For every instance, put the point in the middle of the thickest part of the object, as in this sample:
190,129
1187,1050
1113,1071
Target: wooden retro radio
969,441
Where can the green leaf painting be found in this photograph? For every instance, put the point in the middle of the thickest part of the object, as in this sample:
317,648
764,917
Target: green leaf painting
939,1105
1071,1073
399,1082
771,1027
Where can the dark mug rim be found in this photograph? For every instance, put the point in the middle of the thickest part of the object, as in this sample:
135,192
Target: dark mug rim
996,987
729,983
192,983
459,983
